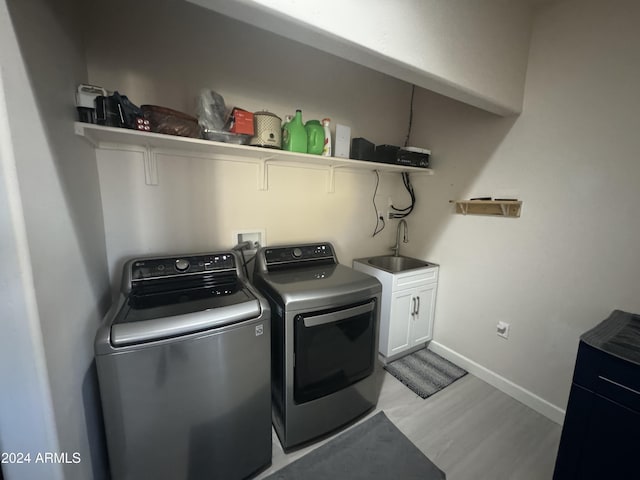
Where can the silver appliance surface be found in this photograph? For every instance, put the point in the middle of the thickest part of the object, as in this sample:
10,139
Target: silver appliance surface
319,286
325,319
183,361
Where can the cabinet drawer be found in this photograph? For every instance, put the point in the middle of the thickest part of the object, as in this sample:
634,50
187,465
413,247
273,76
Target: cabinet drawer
594,365
608,376
411,279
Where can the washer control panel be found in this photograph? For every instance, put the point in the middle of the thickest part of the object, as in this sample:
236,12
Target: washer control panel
174,266
300,254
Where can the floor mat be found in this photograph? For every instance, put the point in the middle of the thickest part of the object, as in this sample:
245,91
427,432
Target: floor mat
425,372
373,450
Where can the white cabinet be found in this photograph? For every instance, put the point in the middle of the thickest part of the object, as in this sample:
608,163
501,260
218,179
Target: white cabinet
410,319
407,308
422,327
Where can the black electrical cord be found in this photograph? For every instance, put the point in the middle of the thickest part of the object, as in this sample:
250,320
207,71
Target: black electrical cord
241,247
379,218
244,263
404,212
413,91
248,261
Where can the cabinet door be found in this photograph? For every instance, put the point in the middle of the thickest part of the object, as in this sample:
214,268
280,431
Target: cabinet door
401,318
422,323
610,448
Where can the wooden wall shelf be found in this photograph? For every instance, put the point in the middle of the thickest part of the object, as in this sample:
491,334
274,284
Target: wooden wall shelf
501,208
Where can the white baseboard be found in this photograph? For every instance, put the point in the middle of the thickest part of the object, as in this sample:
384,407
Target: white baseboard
531,400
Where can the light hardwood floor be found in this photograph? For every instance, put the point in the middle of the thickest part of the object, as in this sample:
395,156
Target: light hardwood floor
470,430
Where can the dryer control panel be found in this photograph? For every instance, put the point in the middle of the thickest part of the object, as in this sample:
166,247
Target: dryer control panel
292,256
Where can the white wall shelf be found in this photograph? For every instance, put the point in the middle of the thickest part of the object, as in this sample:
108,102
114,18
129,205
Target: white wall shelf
152,144
502,208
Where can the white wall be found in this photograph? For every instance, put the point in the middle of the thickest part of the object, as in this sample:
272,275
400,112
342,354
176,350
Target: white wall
555,272
543,273
27,422
59,192
475,52
199,202
572,157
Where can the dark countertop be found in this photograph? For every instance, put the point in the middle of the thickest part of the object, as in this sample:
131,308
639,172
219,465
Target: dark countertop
618,335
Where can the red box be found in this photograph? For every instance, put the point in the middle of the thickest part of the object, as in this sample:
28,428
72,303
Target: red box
242,122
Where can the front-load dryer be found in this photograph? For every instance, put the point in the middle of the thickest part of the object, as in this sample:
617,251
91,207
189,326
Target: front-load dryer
325,317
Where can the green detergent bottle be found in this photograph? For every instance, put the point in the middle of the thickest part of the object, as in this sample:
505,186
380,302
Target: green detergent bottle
315,137
294,135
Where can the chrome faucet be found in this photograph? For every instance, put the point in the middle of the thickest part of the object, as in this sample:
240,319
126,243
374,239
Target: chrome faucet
396,247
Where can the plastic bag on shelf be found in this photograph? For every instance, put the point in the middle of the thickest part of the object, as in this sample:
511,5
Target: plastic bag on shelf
211,110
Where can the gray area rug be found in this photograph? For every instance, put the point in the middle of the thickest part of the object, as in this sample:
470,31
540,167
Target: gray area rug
425,372
373,450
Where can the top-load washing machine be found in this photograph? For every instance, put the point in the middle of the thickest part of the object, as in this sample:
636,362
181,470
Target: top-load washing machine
183,362
325,317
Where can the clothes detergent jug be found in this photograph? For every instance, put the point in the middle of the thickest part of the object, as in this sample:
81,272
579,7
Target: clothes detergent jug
315,137
294,135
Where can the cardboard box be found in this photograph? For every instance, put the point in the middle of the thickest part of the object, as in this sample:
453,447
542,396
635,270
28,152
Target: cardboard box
242,122
343,141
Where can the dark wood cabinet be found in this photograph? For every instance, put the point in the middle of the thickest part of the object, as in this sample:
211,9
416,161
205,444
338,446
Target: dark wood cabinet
601,433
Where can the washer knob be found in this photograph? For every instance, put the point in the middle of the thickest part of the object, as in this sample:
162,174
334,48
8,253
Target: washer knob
182,265
297,253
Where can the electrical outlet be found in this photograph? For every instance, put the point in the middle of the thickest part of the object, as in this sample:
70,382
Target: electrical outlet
255,237
502,329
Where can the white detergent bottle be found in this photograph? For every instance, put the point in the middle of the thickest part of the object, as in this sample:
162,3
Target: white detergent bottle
326,149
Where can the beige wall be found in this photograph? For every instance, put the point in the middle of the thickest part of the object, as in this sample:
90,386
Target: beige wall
64,233
199,202
572,157
475,52
27,420
552,274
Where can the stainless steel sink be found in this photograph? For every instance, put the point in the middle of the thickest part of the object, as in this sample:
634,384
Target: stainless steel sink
393,264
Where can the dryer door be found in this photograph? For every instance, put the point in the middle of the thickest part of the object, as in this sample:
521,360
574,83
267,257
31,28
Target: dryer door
333,349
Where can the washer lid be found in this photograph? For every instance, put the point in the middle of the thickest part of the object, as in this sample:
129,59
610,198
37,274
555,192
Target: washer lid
149,317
